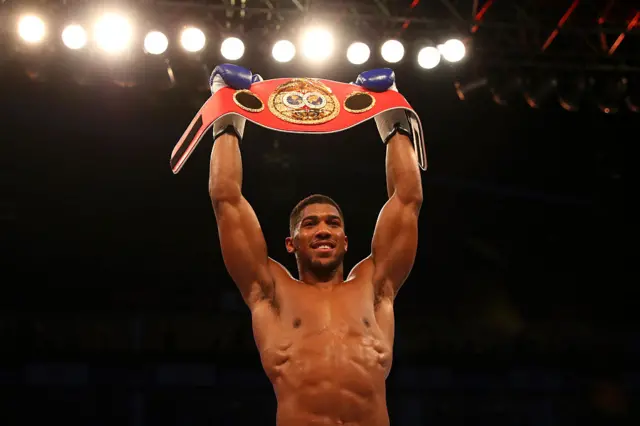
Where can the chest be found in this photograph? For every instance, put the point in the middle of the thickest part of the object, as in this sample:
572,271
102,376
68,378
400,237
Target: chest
345,306
347,311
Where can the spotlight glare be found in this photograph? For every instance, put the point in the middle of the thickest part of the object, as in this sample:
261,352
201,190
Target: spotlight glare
31,29
113,33
156,43
392,51
358,53
453,50
317,45
283,51
192,39
428,57
232,48
74,37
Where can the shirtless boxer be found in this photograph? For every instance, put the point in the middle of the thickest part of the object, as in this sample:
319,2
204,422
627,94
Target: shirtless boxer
325,342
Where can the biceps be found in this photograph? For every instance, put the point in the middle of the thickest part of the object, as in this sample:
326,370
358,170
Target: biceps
243,246
395,242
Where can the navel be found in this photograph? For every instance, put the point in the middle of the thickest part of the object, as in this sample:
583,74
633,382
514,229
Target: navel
296,323
365,321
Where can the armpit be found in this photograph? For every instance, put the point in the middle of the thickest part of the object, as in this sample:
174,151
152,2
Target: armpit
383,291
268,293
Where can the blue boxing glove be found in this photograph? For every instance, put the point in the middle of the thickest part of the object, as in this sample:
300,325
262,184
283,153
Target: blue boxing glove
238,78
390,122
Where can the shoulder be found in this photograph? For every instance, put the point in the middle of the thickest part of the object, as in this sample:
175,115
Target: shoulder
267,289
363,269
281,278
278,271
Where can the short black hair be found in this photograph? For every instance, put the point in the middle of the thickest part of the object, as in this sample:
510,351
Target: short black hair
294,218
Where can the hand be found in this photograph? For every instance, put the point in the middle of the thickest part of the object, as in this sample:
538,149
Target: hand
390,122
235,77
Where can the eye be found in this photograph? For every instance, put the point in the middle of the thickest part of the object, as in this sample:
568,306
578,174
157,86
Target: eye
315,100
293,100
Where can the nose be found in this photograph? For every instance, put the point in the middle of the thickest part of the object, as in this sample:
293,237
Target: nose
323,232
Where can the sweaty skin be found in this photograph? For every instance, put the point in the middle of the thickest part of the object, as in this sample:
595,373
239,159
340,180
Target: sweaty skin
327,350
325,342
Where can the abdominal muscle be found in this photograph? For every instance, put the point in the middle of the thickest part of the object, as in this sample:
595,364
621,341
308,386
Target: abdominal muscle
329,377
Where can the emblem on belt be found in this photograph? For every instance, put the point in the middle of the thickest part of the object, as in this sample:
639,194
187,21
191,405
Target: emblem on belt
304,101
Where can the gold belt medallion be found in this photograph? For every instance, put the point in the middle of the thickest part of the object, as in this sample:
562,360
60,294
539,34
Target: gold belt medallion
304,101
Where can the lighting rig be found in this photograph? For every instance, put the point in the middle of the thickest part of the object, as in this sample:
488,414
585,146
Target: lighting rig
510,51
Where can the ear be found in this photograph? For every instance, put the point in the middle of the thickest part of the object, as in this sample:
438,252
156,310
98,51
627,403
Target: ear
346,243
288,243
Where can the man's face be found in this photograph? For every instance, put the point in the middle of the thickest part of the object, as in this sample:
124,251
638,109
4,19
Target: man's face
319,239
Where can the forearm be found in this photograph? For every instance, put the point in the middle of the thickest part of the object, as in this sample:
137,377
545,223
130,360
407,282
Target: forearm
225,171
403,174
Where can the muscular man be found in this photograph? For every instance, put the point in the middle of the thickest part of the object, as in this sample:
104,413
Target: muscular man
325,341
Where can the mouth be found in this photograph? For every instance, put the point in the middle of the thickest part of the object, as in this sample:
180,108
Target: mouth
323,246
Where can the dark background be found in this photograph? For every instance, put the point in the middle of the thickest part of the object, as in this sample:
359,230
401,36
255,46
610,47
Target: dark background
117,309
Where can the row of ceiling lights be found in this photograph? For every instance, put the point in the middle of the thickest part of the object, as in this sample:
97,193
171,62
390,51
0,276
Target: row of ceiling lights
113,33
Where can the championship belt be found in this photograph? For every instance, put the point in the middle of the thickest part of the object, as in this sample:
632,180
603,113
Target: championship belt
299,105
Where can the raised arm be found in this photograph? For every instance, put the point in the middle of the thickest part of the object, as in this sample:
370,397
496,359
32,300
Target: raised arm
243,246
395,239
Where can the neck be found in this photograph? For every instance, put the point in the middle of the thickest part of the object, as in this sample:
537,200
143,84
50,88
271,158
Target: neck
321,278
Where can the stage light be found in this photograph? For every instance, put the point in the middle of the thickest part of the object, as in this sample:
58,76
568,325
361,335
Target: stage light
538,93
155,43
74,37
317,44
232,48
31,29
633,97
283,51
113,33
571,92
428,57
633,103
463,90
452,50
192,39
610,92
392,51
507,89
358,53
